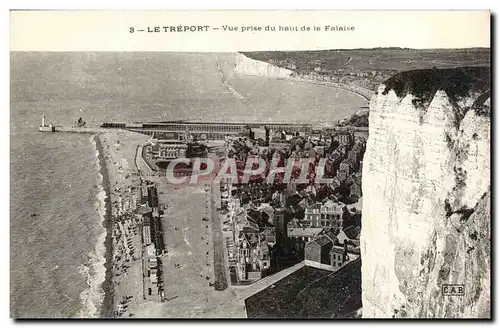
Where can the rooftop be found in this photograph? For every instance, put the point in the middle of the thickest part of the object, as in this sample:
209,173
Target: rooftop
329,296
303,232
351,232
322,240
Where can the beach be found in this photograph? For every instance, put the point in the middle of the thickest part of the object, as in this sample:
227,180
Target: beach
123,242
188,261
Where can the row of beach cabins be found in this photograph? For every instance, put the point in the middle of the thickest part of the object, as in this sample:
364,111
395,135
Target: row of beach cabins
153,246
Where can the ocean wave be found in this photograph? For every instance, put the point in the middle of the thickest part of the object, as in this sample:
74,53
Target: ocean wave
94,270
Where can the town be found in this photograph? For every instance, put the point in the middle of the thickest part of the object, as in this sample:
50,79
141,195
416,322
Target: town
271,225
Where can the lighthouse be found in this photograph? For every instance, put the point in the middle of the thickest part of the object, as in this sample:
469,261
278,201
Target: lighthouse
44,128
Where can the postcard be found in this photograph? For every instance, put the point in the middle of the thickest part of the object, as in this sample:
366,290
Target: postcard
250,164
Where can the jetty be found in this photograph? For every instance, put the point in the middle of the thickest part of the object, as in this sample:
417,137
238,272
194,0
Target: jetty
79,127
176,130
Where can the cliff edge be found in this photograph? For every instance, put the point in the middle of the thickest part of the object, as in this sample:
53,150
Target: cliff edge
426,196
249,66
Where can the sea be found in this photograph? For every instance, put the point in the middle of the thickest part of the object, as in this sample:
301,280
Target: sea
57,202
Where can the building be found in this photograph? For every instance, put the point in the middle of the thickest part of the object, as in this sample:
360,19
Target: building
353,164
268,235
279,198
338,256
331,166
344,171
324,215
331,207
144,194
279,222
157,234
260,133
317,251
312,216
334,184
355,190
249,250
296,231
344,138
165,151
279,144
169,151
152,196
253,257
349,235
146,231
152,276
256,193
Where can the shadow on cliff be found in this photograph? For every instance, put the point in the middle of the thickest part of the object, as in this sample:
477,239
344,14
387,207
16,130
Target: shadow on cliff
458,83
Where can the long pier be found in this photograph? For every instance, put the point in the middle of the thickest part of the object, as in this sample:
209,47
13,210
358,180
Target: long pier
212,130
217,130
92,130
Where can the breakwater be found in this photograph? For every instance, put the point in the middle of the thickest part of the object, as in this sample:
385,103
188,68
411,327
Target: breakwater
92,130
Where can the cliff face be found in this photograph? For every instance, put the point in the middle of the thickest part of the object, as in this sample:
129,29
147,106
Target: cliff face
245,65
426,196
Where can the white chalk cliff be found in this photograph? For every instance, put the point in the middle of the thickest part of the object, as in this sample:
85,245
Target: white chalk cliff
249,66
426,196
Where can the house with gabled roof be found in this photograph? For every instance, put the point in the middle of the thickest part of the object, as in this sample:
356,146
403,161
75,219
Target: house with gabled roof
355,191
317,252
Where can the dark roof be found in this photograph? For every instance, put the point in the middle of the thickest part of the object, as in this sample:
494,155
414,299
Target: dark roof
310,293
331,236
337,249
261,218
315,206
293,200
351,232
303,232
322,240
355,250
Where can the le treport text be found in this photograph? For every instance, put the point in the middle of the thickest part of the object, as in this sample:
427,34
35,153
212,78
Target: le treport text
228,28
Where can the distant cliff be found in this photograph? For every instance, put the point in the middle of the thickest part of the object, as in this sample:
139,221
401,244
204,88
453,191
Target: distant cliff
426,195
245,65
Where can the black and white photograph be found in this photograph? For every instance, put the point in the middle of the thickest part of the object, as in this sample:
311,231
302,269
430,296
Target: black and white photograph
324,183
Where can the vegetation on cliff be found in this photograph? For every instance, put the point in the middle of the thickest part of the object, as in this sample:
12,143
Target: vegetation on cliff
457,83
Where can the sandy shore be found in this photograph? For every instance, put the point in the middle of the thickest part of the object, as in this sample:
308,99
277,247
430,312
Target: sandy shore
106,310
360,91
124,272
189,260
